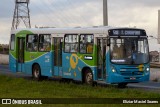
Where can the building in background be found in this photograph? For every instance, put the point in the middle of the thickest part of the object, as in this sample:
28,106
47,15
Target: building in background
4,49
154,56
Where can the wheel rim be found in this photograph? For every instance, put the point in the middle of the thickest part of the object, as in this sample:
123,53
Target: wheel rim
89,78
36,72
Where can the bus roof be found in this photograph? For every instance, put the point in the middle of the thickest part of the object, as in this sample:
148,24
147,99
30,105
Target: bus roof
82,30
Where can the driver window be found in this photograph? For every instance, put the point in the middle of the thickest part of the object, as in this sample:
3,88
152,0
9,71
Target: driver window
118,48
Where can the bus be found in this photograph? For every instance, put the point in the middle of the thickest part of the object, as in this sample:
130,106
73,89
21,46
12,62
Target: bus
90,55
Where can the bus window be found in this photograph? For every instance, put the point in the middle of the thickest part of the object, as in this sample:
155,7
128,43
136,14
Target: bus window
71,43
129,50
12,42
86,44
117,48
44,43
32,42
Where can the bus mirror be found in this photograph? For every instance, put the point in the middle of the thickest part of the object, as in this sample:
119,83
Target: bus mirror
108,42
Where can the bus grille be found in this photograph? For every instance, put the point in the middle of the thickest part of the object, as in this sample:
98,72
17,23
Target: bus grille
130,72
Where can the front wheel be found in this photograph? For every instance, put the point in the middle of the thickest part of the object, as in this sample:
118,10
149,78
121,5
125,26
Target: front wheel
88,77
36,72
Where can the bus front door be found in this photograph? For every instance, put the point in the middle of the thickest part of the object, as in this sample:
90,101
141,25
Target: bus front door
57,56
101,58
20,54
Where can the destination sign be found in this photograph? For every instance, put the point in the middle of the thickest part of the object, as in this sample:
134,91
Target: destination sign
127,32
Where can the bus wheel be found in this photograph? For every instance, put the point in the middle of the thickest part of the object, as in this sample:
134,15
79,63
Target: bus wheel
36,72
88,77
122,85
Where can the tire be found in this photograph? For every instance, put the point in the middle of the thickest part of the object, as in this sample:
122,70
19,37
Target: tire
88,79
36,72
122,85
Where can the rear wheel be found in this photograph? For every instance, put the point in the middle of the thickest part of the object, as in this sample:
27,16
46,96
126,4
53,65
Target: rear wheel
36,72
88,77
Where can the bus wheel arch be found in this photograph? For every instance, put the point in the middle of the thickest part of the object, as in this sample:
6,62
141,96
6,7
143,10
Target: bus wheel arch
87,76
36,71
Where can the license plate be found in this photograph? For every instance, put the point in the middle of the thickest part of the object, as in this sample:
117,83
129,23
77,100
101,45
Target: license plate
132,78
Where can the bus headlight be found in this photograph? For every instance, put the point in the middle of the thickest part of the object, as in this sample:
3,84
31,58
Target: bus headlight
113,69
147,69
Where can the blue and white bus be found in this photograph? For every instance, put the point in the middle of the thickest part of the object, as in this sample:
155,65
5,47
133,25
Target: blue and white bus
92,54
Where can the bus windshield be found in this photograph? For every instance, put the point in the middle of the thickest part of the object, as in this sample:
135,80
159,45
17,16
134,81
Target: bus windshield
129,50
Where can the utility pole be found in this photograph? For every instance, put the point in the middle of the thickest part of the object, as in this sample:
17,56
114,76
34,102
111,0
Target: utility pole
158,27
21,13
105,13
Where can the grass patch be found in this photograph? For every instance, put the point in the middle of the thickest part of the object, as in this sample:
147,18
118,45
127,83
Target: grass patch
22,88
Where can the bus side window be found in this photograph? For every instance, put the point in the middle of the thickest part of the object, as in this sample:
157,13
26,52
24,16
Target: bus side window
44,43
32,42
89,48
86,44
71,43
82,45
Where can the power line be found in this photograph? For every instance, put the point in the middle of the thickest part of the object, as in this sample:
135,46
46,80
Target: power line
57,11
68,15
60,10
42,12
73,5
58,16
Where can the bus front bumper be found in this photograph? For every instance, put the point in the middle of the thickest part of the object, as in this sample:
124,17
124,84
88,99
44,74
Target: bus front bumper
117,78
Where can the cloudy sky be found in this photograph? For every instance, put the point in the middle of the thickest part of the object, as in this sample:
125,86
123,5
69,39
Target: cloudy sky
73,13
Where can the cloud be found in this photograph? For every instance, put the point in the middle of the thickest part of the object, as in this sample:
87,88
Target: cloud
134,3
72,13
5,27
6,7
137,13
69,13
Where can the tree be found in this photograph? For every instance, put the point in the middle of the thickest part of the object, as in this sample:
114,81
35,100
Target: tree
1,49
